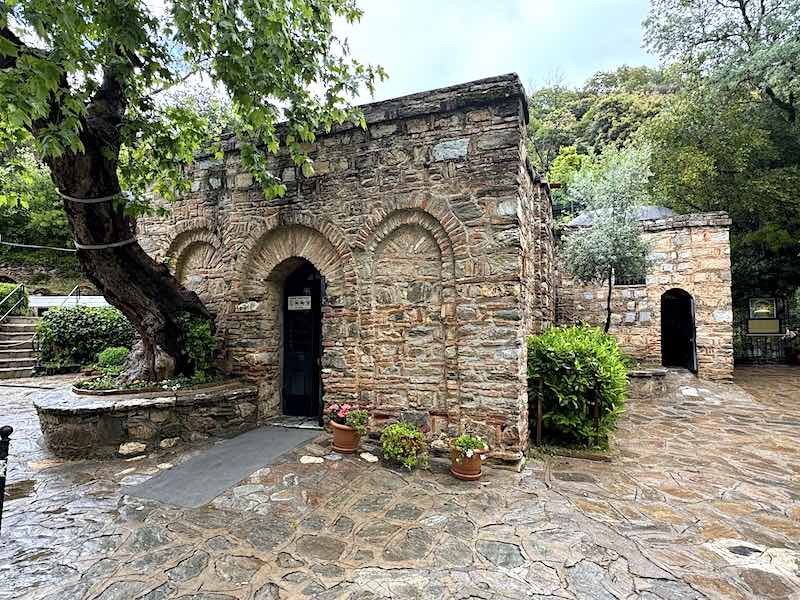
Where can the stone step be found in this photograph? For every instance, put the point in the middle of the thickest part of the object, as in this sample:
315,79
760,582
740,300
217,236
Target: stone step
16,344
17,363
16,353
14,373
17,327
15,334
21,320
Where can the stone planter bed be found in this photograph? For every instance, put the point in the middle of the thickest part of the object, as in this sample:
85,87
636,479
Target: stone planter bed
152,390
101,425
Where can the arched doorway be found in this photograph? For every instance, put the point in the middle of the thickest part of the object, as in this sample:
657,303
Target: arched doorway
302,341
678,346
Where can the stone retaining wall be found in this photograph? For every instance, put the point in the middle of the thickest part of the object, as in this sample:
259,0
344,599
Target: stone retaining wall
81,426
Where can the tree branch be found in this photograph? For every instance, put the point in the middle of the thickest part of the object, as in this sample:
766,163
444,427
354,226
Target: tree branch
788,107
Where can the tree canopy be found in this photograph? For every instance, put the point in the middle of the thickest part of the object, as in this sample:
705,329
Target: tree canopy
63,62
82,80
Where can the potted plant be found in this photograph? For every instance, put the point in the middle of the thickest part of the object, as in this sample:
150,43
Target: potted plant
348,423
405,444
466,454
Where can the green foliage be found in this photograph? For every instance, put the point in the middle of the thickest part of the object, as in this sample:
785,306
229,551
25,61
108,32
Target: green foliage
405,444
108,381
357,419
276,62
614,245
115,356
737,46
608,110
199,342
576,364
76,334
468,444
18,299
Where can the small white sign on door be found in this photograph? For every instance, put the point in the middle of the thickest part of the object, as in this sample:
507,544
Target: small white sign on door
299,302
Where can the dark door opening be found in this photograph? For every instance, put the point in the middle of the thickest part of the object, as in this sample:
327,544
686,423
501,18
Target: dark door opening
678,347
302,342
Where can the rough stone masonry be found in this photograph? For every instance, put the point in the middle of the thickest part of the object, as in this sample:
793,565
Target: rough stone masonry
433,236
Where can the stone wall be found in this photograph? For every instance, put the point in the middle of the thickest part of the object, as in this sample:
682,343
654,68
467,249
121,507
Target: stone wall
76,426
431,281
690,252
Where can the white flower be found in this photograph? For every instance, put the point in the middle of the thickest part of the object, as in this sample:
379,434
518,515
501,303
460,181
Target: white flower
469,453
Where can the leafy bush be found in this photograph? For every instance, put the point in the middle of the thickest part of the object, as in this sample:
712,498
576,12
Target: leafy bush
76,334
107,382
22,307
199,342
404,443
574,364
114,356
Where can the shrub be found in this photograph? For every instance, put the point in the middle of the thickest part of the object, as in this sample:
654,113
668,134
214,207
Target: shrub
574,364
21,294
199,342
114,356
76,334
405,444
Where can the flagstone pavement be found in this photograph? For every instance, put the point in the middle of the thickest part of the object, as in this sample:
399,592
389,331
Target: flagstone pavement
701,499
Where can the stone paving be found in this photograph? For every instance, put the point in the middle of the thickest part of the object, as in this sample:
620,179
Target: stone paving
701,498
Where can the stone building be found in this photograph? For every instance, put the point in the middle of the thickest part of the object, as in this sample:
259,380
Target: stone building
404,275
680,314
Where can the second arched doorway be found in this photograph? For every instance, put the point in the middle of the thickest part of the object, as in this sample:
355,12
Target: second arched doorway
678,331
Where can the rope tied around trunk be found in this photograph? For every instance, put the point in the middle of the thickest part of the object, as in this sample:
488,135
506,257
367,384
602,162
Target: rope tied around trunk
80,246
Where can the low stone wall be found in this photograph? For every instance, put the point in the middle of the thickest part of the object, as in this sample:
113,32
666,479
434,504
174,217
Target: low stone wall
646,384
77,426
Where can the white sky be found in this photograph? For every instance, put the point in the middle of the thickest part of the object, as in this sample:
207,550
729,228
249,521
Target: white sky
425,44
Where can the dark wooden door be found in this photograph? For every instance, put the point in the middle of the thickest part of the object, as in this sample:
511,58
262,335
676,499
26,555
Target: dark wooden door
678,335
302,342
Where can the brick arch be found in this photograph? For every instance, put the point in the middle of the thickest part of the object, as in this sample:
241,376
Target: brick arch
254,240
415,217
274,246
188,243
447,221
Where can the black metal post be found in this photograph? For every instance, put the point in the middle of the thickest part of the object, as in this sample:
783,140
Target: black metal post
5,434
539,398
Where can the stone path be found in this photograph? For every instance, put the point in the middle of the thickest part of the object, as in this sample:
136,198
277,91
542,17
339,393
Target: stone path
701,499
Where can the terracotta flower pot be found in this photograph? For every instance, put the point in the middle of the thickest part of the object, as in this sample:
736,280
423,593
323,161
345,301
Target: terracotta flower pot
467,469
345,439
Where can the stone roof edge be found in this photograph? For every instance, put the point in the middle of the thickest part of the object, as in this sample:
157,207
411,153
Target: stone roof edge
708,219
481,92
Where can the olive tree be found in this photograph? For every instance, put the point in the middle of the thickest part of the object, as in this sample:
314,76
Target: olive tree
82,79
613,246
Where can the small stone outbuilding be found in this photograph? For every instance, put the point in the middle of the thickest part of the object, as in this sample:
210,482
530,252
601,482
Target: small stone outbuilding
404,275
680,314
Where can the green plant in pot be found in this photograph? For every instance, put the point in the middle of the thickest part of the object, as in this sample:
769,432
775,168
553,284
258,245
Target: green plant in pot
405,444
348,423
466,454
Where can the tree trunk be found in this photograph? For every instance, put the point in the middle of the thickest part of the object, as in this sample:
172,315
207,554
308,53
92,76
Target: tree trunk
145,291
608,302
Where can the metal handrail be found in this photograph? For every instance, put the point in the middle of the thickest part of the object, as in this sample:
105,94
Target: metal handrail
17,288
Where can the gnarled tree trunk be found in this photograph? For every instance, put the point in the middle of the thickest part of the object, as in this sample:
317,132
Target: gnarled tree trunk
145,291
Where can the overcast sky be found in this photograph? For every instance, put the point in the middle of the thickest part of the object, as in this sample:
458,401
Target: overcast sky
425,44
